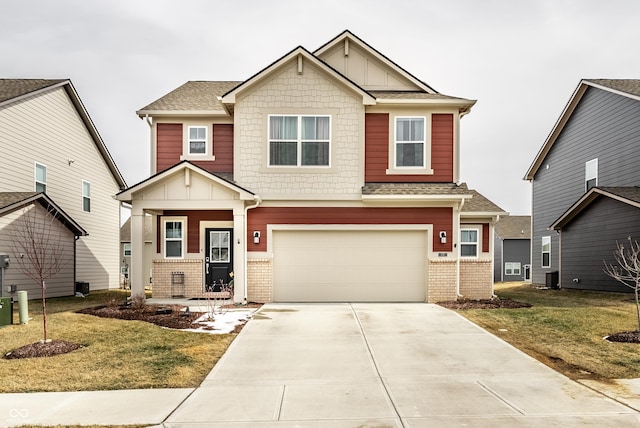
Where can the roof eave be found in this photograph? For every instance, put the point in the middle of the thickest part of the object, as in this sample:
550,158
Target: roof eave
173,113
444,197
47,203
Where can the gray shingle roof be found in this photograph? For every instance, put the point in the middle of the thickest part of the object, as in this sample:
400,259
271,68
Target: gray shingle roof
630,86
125,230
413,95
514,227
480,204
630,193
193,96
13,88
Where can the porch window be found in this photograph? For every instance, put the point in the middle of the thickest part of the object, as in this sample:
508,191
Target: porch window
40,177
174,239
197,140
86,196
546,251
410,142
469,242
512,268
299,140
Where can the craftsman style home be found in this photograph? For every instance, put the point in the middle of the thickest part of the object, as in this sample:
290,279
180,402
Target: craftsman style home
585,194
330,175
50,146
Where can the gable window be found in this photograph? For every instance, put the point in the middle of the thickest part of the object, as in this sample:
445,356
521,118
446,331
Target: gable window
590,174
299,140
410,142
512,268
546,251
86,196
469,242
127,250
174,239
40,177
197,140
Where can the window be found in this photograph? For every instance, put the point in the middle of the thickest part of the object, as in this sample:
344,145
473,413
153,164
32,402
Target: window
40,177
410,142
512,268
299,140
590,174
197,140
220,243
546,251
469,242
127,250
86,196
173,239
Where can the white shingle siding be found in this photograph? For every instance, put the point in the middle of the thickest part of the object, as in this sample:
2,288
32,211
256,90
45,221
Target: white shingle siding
291,93
47,129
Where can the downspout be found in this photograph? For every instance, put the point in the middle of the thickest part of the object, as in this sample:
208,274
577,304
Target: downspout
258,201
458,295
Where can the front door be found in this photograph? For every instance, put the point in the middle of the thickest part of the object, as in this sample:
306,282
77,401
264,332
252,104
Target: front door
218,258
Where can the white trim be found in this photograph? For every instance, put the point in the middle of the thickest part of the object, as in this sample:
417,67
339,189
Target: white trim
124,249
542,252
35,176
423,141
206,141
182,239
86,196
478,243
298,141
587,176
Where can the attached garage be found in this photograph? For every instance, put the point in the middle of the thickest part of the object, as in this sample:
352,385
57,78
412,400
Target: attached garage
349,265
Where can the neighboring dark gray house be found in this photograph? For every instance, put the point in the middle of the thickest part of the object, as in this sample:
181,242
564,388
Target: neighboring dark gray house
584,179
512,249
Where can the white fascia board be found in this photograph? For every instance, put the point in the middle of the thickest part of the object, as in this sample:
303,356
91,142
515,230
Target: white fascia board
192,113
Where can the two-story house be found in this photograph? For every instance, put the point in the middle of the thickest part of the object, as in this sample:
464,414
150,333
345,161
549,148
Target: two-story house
330,175
512,249
50,145
585,194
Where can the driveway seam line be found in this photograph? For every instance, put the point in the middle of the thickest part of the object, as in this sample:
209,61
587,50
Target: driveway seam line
375,365
495,394
283,391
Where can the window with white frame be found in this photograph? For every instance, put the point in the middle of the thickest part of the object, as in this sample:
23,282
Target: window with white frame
410,142
469,239
86,196
40,177
173,239
299,140
590,174
127,249
546,251
197,140
512,268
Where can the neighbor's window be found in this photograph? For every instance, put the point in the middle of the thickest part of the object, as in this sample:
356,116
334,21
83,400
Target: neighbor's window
590,174
410,142
469,242
40,177
127,250
299,140
86,196
512,268
174,239
197,140
546,251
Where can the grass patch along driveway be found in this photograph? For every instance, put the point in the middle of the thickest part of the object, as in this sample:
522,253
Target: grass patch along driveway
116,354
565,329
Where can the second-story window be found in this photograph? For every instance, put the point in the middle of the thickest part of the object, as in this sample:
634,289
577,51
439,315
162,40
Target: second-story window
299,140
410,142
197,140
40,177
590,174
86,196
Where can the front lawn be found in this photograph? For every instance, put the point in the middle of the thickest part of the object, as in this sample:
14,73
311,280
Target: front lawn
565,329
116,354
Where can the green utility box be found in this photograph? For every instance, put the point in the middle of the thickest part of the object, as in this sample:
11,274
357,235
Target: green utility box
6,311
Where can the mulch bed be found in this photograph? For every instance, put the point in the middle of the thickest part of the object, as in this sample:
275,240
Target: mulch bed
484,304
43,349
625,336
171,316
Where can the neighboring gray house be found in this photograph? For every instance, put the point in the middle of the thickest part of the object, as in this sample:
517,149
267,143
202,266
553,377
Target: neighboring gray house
125,251
512,249
50,144
584,178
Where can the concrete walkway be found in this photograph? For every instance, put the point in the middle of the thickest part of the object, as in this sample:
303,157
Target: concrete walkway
348,365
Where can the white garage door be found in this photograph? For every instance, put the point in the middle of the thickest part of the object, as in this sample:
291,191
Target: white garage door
349,266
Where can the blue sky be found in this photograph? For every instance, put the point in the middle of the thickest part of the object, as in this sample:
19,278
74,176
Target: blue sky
521,60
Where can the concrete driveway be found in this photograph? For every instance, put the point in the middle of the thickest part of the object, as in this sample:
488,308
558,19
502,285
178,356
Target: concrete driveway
385,365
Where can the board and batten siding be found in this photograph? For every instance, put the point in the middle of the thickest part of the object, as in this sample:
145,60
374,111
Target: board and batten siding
48,129
61,284
604,126
590,239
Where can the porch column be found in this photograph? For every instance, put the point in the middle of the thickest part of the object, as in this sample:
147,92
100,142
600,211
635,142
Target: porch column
239,255
136,270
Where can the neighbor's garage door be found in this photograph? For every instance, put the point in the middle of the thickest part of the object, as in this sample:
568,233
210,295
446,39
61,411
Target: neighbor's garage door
349,266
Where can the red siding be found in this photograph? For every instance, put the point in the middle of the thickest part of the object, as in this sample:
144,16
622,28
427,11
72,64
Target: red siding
168,145
485,237
222,150
193,225
377,151
259,218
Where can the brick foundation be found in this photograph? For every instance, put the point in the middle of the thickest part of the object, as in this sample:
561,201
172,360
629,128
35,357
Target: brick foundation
259,280
441,285
193,287
476,279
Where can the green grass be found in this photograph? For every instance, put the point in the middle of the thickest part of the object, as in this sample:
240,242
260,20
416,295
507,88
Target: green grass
565,329
117,354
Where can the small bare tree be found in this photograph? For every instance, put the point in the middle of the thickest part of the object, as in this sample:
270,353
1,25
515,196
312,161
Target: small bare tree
627,270
39,250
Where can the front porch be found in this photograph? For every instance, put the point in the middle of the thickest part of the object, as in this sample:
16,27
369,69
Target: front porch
182,279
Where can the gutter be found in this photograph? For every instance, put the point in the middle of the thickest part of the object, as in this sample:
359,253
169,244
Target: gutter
257,203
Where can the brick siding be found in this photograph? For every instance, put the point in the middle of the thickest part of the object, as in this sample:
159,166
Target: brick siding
259,280
476,279
441,285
